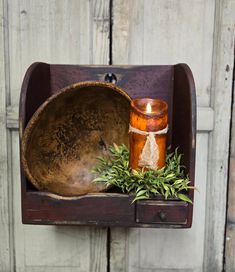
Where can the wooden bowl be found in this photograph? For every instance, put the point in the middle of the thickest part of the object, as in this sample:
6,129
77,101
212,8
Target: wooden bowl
68,131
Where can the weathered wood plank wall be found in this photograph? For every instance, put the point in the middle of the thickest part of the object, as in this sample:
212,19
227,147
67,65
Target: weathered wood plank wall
155,33
55,32
230,227
148,250
5,261
221,99
143,32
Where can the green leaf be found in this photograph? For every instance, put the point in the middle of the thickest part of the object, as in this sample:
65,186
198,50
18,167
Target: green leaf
141,192
167,194
139,188
154,191
172,190
178,181
99,179
170,176
193,187
184,198
165,187
134,172
139,198
116,147
114,170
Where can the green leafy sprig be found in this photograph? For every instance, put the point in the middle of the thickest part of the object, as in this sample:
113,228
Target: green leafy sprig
169,181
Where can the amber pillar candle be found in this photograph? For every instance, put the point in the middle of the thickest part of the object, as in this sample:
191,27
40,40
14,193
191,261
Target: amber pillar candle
148,133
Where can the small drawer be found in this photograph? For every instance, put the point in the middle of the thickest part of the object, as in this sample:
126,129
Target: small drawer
161,212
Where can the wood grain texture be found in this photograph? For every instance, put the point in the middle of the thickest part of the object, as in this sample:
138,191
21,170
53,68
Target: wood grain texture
99,32
230,248
147,34
41,248
5,251
38,30
184,122
111,209
63,139
137,250
222,76
119,249
230,224
205,118
230,220
166,32
56,32
231,191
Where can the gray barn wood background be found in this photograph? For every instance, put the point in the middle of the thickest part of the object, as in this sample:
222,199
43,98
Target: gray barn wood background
198,32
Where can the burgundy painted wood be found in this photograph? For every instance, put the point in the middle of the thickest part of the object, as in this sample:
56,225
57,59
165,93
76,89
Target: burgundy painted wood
162,212
172,83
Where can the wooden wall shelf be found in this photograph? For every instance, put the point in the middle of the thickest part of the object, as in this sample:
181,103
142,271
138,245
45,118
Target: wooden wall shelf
172,83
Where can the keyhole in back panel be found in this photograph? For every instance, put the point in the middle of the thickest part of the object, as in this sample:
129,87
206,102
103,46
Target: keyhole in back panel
111,78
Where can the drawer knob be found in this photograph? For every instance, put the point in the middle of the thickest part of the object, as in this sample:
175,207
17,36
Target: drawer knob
162,216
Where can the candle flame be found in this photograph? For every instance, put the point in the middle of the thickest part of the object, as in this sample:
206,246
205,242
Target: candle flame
148,108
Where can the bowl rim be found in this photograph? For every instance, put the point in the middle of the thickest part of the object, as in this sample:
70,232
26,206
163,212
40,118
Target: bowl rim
33,121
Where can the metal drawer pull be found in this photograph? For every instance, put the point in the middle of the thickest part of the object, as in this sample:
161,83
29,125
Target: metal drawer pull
111,78
162,215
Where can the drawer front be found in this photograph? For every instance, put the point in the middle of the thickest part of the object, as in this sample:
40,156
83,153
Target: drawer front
161,212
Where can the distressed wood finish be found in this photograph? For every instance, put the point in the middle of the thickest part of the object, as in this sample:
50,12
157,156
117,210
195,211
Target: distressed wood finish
162,212
38,208
230,227
230,220
222,77
205,118
230,247
54,248
137,250
147,34
184,121
166,32
5,235
61,32
155,32
69,131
